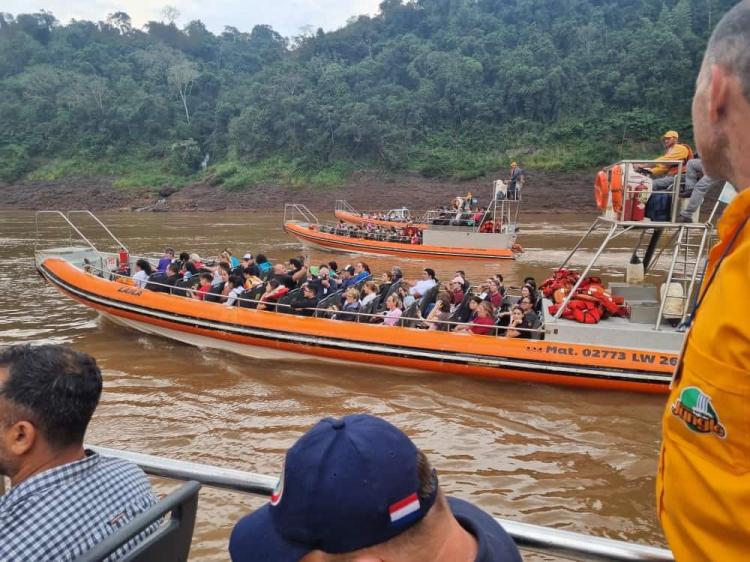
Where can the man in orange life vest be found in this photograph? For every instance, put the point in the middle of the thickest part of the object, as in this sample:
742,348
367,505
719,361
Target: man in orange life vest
703,484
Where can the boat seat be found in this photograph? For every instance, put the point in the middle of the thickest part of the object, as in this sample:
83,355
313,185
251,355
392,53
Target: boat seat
369,308
427,299
410,318
157,281
332,299
282,305
170,541
250,295
214,293
460,311
182,286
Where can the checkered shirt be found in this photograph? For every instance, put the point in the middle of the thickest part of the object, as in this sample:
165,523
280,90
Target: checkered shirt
61,513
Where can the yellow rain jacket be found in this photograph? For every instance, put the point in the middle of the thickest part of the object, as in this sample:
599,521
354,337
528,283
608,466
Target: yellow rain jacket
677,152
703,483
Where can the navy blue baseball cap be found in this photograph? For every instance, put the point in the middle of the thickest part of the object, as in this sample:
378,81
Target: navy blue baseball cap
347,484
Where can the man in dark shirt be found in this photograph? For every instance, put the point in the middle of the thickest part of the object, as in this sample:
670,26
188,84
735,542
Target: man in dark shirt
163,282
280,274
306,301
358,488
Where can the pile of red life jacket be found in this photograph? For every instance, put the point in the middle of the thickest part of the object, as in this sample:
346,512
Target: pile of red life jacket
589,305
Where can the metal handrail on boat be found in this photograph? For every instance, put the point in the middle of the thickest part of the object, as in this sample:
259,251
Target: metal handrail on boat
617,226
546,540
327,311
291,210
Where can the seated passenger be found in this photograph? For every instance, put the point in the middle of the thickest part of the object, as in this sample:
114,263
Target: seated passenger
483,321
530,317
529,291
396,273
163,282
428,281
234,288
369,293
221,273
142,272
229,258
361,272
393,310
263,264
405,297
326,510
350,307
197,262
204,286
165,260
274,291
440,313
305,302
64,499
493,294
279,273
297,270
457,291
251,274
517,321
347,277
186,265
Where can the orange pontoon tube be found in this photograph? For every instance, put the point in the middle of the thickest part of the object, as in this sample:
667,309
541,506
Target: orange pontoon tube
311,235
262,333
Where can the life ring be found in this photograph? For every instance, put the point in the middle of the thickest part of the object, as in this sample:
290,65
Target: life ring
615,185
601,189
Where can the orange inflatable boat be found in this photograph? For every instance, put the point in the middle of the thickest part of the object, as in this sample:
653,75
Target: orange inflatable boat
265,334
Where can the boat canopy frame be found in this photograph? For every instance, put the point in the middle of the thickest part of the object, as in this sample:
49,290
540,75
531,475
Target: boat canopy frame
688,254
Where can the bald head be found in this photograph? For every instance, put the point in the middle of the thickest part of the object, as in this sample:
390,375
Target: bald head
721,106
729,45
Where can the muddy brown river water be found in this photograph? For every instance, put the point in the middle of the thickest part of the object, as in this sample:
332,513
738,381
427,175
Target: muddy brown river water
573,459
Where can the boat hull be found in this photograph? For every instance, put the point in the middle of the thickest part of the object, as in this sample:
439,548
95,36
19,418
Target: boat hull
283,336
363,246
353,218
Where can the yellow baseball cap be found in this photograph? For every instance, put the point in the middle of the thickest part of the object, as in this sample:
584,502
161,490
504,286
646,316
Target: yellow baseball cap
670,135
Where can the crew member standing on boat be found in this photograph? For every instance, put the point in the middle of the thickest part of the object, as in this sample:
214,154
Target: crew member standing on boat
515,181
703,483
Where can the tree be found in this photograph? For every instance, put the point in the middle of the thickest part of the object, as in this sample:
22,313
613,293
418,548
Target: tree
170,14
181,77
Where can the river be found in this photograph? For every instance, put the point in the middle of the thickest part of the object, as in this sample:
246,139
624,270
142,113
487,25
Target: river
573,459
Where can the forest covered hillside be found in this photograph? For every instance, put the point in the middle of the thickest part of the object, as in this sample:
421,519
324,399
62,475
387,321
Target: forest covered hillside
447,88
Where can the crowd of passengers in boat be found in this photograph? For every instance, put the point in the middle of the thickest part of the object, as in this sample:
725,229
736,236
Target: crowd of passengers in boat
351,293
464,212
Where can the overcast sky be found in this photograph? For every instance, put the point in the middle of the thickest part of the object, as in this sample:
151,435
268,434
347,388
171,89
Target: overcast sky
285,16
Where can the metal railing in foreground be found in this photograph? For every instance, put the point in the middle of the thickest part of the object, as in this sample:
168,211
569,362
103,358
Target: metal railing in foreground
546,540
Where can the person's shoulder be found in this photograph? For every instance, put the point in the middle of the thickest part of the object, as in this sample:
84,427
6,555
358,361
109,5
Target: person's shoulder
114,465
494,544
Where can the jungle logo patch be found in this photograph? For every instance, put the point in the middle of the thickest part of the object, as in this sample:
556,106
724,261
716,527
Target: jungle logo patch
695,409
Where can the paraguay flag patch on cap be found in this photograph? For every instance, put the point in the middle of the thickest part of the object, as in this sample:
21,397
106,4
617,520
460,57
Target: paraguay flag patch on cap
405,510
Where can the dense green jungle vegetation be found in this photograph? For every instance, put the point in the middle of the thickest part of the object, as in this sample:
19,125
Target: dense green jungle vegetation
448,88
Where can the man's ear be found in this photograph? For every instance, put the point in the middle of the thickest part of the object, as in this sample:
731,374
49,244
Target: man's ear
718,94
20,437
